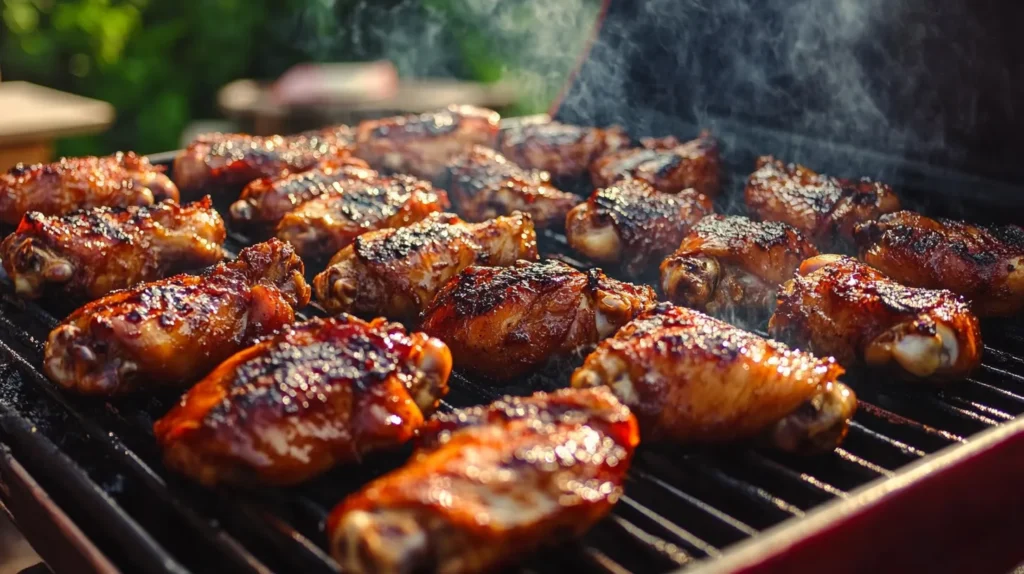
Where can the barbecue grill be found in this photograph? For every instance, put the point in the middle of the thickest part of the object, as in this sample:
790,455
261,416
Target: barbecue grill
926,480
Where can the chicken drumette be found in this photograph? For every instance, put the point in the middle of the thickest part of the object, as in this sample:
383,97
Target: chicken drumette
508,321
667,164
318,394
563,150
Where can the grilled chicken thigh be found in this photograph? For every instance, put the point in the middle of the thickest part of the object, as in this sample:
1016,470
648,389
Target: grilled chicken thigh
174,331
690,378
423,145
825,209
71,184
984,264
839,306
484,184
667,164
503,322
396,272
490,485
632,225
92,252
563,150
325,224
728,262
319,393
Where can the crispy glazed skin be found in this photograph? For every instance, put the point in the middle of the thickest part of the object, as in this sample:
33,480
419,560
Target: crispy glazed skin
984,264
484,184
71,184
665,163
632,225
690,378
320,393
323,225
396,272
174,331
825,209
481,491
265,201
729,262
423,145
839,306
563,150
503,322
92,252
233,160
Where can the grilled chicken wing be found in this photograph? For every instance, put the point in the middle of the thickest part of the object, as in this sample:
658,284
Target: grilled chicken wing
71,184
318,394
484,185
729,262
423,145
984,264
632,225
233,160
396,272
92,252
690,378
563,150
840,307
825,209
323,225
665,163
503,322
264,202
490,485
174,331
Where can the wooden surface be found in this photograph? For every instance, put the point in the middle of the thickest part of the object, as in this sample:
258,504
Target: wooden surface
33,114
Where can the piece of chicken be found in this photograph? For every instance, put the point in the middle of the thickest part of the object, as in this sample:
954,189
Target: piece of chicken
985,264
76,183
563,150
174,331
397,272
489,485
321,226
730,263
89,253
505,322
320,393
265,201
423,145
824,208
839,306
665,163
484,184
632,225
219,160
692,379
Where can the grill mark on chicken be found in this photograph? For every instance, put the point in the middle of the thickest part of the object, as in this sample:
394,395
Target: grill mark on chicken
667,164
564,150
402,242
483,288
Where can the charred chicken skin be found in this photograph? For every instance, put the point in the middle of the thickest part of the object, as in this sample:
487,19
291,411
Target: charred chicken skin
176,330
397,272
984,264
320,393
323,225
92,252
423,145
729,262
71,184
563,150
667,164
503,322
632,225
484,184
489,485
839,306
690,378
825,209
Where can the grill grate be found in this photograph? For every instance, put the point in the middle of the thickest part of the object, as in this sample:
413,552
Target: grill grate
99,461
